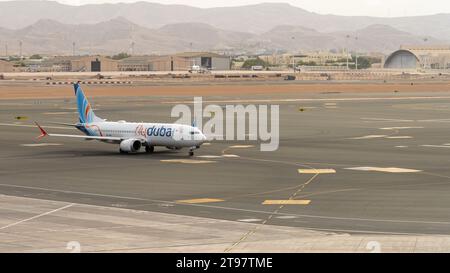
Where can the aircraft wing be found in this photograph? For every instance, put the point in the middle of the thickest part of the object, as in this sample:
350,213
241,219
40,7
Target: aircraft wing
87,137
112,139
64,124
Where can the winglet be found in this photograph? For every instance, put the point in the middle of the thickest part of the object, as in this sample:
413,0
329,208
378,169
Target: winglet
43,132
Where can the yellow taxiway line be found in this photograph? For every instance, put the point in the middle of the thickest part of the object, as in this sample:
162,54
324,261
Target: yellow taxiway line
200,200
316,171
286,202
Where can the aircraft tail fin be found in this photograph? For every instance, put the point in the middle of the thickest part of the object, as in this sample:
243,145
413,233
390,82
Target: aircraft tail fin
85,112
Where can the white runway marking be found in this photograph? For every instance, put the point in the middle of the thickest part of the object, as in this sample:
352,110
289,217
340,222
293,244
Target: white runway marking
37,216
436,146
286,217
41,144
400,128
434,120
388,119
401,146
400,137
369,137
249,220
241,146
316,171
209,156
297,100
386,170
230,156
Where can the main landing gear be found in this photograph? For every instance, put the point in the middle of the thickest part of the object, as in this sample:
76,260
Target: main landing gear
149,149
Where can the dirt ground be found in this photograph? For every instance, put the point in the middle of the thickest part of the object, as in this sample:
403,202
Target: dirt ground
30,91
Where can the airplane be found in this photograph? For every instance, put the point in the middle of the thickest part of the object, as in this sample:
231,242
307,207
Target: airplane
130,136
199,69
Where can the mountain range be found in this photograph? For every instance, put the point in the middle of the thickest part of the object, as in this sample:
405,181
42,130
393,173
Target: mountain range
50,28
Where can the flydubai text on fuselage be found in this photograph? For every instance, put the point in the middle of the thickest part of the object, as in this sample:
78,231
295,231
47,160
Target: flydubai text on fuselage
131,136
154,134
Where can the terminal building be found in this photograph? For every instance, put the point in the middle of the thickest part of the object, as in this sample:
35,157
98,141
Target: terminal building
419,57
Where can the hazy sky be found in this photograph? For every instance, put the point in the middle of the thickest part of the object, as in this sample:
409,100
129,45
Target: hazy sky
385,8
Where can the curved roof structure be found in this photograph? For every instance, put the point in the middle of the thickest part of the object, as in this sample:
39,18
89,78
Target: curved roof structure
404,59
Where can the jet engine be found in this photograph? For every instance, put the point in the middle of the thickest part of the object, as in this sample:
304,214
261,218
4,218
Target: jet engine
130,145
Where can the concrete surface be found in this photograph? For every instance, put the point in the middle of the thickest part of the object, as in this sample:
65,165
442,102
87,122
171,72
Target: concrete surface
389,153
32,225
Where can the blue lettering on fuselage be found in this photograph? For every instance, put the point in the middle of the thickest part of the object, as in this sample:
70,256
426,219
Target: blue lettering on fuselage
159,131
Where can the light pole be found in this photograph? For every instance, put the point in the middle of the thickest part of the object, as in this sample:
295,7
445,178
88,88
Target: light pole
347,53
346,48
356,54
132,48
293,56
20,49
427,61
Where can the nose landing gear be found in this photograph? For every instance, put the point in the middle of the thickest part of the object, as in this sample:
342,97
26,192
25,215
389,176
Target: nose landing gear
191,150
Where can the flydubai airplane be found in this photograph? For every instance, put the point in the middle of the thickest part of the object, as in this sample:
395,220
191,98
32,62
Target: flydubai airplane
130,136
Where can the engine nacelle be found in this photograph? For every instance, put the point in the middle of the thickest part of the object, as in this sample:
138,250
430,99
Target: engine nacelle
130,145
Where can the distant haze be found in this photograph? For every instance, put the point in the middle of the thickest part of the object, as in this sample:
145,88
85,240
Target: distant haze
52,28
378,8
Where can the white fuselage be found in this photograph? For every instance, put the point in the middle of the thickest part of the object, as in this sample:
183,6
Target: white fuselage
154,134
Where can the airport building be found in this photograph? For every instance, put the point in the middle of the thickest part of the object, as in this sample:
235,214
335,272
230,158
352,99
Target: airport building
136,63
207,60
322,58
77,64
419,57
154,63
6,66
176,62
